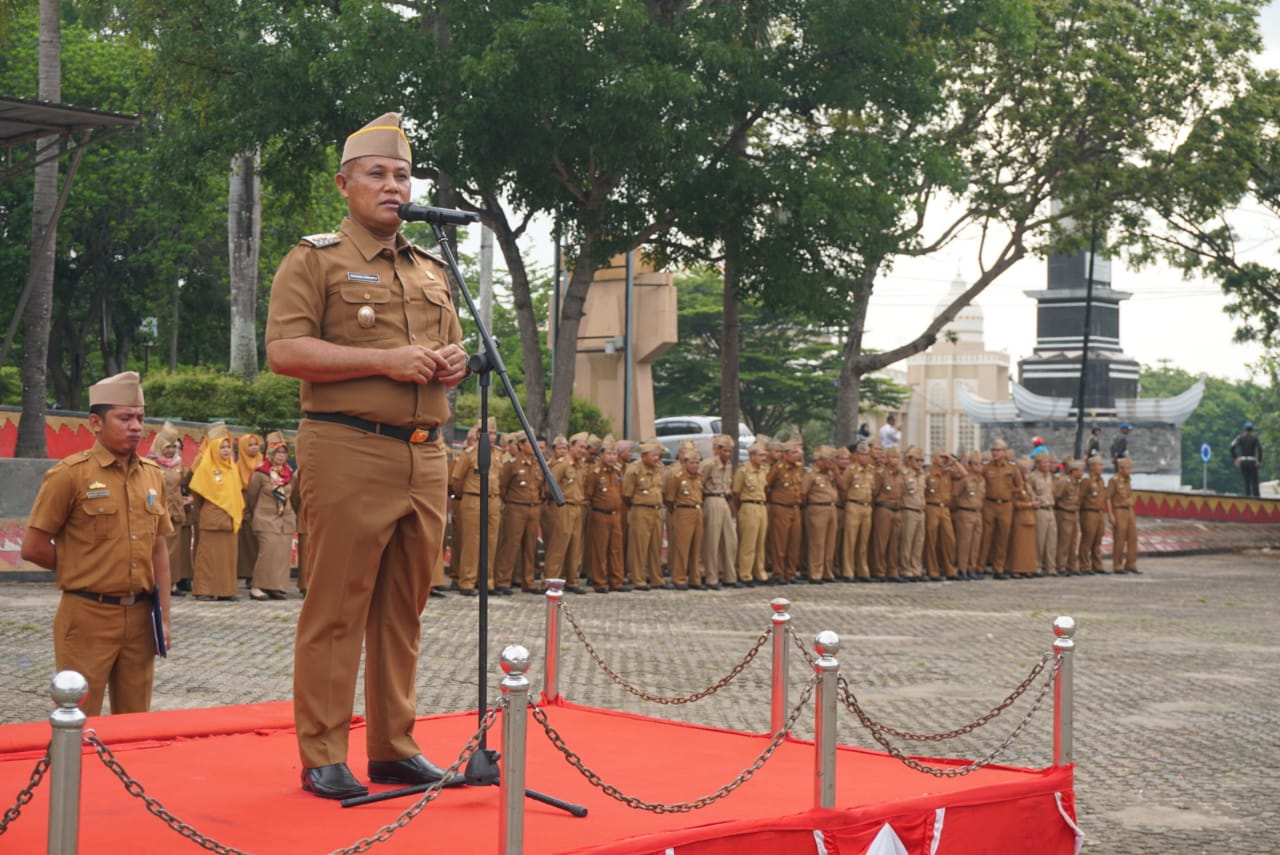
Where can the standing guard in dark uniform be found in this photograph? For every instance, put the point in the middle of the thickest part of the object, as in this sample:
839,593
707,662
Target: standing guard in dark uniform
1246,454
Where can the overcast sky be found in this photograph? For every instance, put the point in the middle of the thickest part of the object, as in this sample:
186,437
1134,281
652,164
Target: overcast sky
1167,318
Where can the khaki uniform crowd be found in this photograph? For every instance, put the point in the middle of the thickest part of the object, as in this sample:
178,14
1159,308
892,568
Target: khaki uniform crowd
865,513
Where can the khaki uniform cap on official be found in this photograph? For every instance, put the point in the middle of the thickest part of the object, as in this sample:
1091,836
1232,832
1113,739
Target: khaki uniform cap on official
824,452
168,433
722,441
651,446
759,446
383,137
559,441
862,448
606,444
119,390
1075,464
580,436
998,443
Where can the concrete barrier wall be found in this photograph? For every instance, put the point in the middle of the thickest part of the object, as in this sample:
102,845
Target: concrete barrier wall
19,483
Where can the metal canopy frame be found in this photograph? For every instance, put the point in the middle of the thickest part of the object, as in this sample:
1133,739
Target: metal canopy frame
24,120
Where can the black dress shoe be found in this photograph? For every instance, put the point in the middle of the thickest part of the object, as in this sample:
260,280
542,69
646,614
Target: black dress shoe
576,589
601,590
503,592
438,593
468,592
411,770
333,782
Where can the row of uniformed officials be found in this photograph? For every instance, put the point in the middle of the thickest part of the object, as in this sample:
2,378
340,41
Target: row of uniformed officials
858,514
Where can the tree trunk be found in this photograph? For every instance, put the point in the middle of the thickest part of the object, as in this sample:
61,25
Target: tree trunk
30,441
566,345
730,346
535,381
849,396
244,234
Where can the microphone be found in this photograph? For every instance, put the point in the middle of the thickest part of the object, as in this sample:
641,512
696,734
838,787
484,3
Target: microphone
438,216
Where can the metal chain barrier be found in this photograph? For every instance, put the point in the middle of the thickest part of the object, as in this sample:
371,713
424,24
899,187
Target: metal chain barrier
878,732
27,793
802,645
662,699
976,723
134,788
678,807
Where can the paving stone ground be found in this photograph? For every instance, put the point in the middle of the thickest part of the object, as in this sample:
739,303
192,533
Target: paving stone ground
1177,707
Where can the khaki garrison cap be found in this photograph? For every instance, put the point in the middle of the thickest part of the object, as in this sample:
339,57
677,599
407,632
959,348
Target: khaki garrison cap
119,390
383,137
167,434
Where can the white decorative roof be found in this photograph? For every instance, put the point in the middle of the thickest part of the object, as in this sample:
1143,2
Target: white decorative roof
984,412
1039,408
967,325
1175,410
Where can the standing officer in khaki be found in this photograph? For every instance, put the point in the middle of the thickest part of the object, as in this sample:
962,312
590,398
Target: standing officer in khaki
365,320
1124,524
719,533
1093,494
967,504
1003,481
886,525
1040,485
1066,504
464,480
99,523
819,493
911,552
939,536
785,522
642,491
682,495
859,491
603,493
748,491
522,495
564,541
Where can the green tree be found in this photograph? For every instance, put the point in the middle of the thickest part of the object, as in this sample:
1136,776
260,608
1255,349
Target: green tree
788,368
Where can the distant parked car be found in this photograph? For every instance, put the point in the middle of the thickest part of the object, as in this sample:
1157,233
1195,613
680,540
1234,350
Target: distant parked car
673,430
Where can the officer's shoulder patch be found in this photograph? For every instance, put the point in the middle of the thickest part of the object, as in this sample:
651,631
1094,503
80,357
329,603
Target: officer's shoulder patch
431,254
147,461
322,240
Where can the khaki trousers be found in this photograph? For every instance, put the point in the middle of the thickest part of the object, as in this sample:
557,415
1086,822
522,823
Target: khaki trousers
753,526
685,553
369,566
1068,529
997,529
605,543
1090,540
719,541
644,545
886,528
857,536
784,530
820,527
519,541
564,545
911,550
968,540
467,557
111,646
939,542
1046,540
1124,540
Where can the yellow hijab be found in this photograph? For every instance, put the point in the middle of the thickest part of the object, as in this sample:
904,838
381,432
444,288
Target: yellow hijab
218,481
248,462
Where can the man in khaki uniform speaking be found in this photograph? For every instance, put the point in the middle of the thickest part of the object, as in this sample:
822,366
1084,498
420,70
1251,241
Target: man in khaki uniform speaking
365,320
99,522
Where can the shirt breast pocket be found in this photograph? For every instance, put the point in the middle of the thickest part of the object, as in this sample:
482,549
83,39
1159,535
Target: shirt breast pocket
365,309
105,517
438,313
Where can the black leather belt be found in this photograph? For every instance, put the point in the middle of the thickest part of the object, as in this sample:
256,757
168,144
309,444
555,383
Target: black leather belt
936,504
750,502
648,507
413,435
968,510
889,507
688,507
783,505
526,504
603,511
914,510
998,501
1065,510
822,504
856,502
1090,510
713,495
1044,507
112,601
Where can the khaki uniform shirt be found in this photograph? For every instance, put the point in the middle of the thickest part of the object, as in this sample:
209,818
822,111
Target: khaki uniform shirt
819,487
1003,480
937,486
104,523
1040,486
683,490
569,475
970,490
1092,493
642,485
464,474
603,487
348,289
716,477
1066,493
785,480
1120,492
913,488
749,483
889,487
859,484
521,481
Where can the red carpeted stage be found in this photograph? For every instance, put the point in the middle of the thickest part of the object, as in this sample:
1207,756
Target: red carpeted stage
231,773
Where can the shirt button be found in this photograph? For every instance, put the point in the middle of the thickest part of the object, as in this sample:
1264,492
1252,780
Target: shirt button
413,338
133,537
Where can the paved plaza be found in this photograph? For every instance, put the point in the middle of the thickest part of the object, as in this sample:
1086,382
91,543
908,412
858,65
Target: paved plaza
1177,706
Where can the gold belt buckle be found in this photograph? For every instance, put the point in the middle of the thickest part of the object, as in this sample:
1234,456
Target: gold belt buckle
419,435
129,600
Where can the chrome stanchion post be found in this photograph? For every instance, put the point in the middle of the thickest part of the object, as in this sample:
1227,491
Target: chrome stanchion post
515,687
781,620
1064,645
551,685
826,645
67,690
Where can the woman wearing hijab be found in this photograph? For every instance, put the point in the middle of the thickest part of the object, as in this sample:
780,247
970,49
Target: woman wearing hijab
219,509
272,517
166,450
248,458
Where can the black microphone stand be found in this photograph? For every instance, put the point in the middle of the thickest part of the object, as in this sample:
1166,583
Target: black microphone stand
482,769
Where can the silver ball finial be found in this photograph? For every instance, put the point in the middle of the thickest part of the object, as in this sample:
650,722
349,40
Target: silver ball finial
779,604
68,688
1064,626
827,643
515,659
555,586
